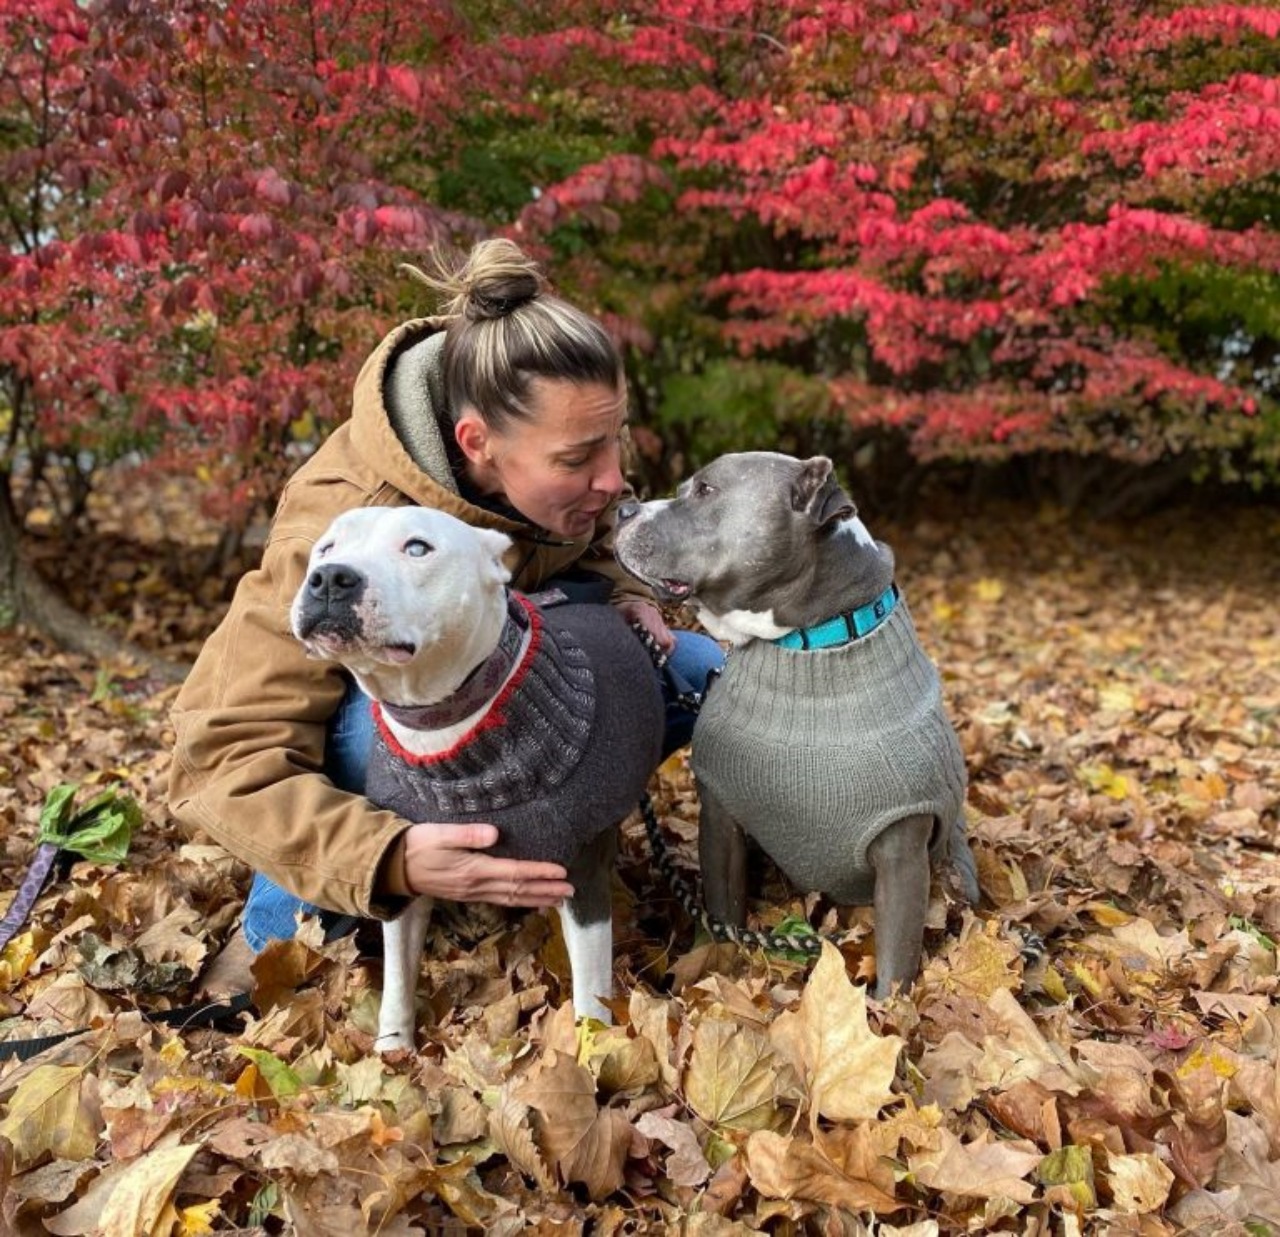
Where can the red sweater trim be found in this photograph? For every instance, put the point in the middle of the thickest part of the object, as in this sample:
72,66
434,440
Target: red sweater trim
492,720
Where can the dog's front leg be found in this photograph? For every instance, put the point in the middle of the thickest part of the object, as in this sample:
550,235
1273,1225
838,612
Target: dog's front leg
402,942
586,920
722,856
900,857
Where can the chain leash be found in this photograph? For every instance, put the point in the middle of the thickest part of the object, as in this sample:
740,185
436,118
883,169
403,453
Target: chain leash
807,943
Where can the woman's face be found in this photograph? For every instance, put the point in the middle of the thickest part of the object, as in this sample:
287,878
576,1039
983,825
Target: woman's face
562,466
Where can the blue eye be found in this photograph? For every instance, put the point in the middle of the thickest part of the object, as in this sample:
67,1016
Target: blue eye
417,548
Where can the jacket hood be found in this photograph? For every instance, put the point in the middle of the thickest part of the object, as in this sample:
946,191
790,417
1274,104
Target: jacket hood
399,419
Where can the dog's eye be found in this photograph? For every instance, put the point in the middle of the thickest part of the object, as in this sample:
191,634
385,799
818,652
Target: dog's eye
702,490
417,548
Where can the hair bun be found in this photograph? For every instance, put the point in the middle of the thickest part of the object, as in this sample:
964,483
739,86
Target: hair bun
498,293
491,282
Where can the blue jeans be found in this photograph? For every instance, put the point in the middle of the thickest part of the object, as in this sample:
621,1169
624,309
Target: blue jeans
269,910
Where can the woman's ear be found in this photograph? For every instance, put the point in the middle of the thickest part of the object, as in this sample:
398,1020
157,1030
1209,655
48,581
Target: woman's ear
472,436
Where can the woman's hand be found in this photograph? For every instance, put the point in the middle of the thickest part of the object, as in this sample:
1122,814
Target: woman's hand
650,618
446,861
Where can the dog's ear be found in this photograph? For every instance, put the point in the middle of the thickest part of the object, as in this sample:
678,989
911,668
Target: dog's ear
815,492
496,544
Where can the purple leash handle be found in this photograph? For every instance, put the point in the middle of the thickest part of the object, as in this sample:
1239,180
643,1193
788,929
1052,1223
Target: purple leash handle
28,891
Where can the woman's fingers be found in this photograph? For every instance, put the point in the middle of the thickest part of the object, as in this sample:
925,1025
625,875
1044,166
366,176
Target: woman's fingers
447,861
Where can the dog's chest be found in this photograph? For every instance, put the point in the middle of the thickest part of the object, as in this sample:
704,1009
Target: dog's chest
814,753
561,757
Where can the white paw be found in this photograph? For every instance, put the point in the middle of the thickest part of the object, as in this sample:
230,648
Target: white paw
392,1041
592,1008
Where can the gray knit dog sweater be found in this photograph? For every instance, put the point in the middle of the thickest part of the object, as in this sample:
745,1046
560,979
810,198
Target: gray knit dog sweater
564,754
815,753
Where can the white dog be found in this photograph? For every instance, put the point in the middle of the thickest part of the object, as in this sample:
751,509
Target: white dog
546,723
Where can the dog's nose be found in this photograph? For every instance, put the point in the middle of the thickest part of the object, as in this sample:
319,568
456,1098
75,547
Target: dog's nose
334,582
628,511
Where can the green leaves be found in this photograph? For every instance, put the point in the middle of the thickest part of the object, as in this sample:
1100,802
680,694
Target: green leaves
100,831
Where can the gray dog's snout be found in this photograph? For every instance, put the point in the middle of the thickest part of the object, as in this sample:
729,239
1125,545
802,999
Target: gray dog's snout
334,583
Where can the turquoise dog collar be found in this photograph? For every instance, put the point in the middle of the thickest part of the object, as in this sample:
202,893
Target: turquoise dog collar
844,628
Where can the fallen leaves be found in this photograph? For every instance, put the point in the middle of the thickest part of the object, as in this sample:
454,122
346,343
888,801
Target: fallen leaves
733,1076
142,1202
1093,1051
585,1142
54,1110
848,1070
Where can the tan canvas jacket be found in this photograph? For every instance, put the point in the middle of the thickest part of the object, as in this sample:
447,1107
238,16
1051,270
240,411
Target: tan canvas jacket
250,720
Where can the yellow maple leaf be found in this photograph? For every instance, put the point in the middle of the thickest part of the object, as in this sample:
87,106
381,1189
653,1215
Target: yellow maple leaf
980,963
989,590
1053,985
848,1068
173,1052
732,1076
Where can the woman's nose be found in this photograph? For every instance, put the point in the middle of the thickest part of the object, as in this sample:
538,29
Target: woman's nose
609,479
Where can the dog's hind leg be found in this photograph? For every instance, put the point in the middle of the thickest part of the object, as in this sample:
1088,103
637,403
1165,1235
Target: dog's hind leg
586,920
963,864
722,856
402,942
900,857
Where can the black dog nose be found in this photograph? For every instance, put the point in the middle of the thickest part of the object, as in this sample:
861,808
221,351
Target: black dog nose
334,582
628,511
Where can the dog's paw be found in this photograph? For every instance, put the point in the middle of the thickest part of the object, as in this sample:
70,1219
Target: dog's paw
398,1040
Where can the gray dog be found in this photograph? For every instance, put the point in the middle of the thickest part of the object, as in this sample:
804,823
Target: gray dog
825,739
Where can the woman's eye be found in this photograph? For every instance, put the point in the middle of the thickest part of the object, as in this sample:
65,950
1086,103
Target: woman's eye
417,548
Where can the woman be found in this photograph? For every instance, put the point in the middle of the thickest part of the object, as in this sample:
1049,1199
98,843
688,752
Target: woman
508,411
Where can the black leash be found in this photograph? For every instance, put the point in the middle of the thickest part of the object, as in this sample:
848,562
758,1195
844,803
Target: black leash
48,856
217,1015
807,943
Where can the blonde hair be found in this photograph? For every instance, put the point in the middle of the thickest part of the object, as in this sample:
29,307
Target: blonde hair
507,328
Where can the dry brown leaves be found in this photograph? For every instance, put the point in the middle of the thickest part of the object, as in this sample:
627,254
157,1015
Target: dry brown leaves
1117,691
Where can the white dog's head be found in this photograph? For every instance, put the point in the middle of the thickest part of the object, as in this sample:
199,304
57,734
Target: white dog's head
408,599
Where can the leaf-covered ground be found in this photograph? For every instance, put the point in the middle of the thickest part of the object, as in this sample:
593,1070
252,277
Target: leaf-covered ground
1117,691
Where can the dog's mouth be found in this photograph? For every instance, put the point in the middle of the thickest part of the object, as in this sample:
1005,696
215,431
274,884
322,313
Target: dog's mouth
400,652
336,646
667,588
